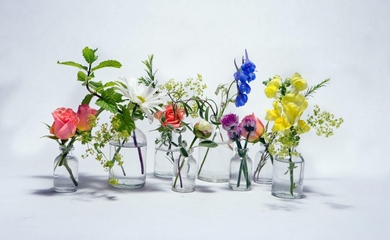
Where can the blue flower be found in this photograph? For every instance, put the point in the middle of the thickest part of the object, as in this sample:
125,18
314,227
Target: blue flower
243,76
244,88
241,99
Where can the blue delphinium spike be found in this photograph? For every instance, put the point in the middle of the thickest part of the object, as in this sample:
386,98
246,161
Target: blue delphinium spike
241,99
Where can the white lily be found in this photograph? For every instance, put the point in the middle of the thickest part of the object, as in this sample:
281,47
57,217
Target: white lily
144,96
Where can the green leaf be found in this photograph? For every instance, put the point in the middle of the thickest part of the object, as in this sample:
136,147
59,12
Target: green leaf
208,143
81,76
89,55
207,114
183,152
108,63
73,64
97,86
126,121
87,99
107,103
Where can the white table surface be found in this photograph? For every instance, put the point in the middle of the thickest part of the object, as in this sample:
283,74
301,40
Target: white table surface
332,208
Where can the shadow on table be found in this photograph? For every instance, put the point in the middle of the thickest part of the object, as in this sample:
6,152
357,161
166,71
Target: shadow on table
96,186
309,194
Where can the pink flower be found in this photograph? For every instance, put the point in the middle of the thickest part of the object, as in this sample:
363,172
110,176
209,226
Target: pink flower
65,123
171,116
85,113
229,121
254,125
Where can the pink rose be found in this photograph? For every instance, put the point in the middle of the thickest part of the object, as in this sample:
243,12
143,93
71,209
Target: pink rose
171,116
65,123
84,113
254,136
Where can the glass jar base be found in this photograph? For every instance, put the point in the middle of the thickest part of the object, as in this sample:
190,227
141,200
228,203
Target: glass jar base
183,190
163,174
266,181
213,179
64,189
239,188
286,195
129,184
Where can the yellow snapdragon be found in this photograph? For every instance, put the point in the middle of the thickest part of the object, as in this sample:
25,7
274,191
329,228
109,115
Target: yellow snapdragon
298,82
273,86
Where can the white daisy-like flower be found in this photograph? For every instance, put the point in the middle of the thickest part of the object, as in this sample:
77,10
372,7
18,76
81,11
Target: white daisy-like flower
144,96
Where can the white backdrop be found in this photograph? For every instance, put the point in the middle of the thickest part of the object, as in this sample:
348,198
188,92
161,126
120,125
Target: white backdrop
347,41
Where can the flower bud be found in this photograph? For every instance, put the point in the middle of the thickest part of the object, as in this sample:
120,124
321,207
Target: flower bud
203,129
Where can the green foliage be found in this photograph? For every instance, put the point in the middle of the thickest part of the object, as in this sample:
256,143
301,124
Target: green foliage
73,64
310,91
149,79
89,55
208,143
107,63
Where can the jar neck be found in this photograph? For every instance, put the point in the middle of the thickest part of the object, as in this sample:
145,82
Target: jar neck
66,149
242,152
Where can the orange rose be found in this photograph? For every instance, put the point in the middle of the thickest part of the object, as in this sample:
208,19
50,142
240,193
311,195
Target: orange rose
65,123
171,116
85,113
254,136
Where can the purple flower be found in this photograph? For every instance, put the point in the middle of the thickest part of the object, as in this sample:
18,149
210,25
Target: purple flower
249,124
229,121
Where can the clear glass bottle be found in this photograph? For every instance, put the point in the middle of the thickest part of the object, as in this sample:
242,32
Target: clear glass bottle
184,174
66,171
288,174
214,162
165,154
263,166
240,178
129,171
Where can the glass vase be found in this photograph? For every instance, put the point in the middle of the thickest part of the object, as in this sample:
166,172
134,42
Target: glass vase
214,162
287,179
184,174
240,178
129,162
164,158
66,171
262,165
165,154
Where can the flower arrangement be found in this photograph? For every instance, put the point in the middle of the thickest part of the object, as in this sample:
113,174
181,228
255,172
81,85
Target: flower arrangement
127,101
290,101
68,127
136,99
251,129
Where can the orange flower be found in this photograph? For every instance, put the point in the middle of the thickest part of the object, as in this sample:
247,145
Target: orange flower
255,135
171,116
85,113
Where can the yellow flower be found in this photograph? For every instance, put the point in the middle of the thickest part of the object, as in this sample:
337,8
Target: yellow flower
281,124
298,82
273,114
303,127
273,86
294,106
270,91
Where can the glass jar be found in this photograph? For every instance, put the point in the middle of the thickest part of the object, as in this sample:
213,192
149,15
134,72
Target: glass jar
263,166
287,179
184,173
66,171
129,162
240,178
214,162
